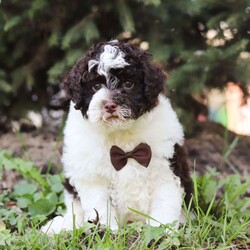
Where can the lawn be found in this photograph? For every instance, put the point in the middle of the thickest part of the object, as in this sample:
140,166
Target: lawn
219,217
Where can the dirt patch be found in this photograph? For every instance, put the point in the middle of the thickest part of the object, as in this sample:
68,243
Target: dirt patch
213,146
44,149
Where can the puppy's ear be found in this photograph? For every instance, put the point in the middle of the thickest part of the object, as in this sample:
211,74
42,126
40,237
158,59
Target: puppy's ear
154,80
72,81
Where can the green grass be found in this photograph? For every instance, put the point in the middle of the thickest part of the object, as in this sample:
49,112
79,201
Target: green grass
219,218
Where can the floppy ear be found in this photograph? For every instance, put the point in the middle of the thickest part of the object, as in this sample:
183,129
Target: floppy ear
72,81
154,80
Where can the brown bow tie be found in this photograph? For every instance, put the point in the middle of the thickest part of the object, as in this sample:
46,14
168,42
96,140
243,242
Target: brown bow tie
141,153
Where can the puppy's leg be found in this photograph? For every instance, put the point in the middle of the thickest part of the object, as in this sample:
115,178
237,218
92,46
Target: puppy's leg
95,201
166,204
73,215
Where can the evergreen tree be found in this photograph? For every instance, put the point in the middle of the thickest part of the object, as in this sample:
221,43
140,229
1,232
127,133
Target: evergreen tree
200,43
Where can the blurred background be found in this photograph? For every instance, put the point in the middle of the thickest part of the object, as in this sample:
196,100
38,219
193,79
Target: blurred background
204,46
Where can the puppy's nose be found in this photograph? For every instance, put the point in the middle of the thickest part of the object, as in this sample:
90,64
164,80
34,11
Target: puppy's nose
110,107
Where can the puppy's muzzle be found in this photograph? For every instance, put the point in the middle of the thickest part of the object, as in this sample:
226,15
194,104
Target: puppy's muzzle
110,107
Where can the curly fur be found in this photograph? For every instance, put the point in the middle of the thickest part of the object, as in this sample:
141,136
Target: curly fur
153,77
117,99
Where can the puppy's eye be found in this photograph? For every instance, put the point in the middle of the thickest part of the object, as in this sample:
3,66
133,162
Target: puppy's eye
128,85
97,86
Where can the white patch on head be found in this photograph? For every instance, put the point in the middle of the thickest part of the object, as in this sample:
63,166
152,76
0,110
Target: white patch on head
111,58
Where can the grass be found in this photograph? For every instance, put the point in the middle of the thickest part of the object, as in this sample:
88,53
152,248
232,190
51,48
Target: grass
219,217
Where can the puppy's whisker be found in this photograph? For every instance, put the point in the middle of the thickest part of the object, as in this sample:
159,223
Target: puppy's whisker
125,112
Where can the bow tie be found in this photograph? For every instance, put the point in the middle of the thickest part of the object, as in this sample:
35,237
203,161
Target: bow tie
141,153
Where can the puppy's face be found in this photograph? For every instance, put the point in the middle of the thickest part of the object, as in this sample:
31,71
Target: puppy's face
114,84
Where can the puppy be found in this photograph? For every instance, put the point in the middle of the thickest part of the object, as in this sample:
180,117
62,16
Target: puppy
122,142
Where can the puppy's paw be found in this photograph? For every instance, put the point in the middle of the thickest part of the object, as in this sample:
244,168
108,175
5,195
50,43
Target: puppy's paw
113,226
95,218
92,216
54,226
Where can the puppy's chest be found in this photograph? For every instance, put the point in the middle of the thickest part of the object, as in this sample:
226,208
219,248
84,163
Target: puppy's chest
131,187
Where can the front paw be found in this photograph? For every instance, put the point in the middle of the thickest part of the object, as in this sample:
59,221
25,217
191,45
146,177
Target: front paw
96,217
92,217
55,226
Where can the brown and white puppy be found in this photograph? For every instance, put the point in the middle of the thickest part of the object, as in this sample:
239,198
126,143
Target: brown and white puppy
122,142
